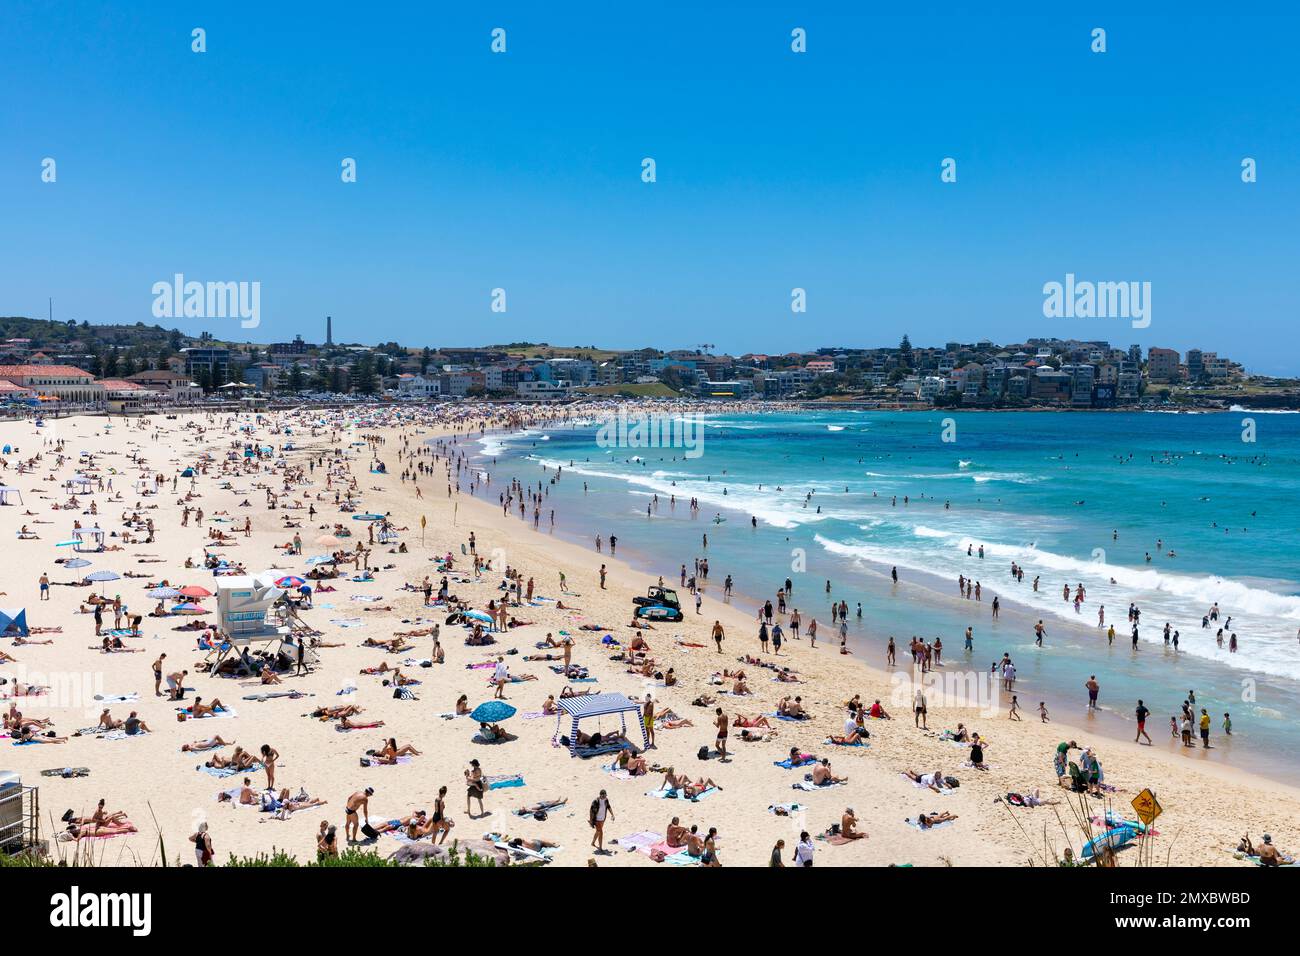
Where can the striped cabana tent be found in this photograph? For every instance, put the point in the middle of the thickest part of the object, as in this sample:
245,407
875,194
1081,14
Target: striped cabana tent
597,705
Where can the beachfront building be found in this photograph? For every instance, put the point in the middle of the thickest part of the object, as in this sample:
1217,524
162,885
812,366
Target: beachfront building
264,376
459,383
1051,386
774,384
1163,365
739,389
61,383
210,363
1128,387
172,387
542,391
122,396
11,393
418,386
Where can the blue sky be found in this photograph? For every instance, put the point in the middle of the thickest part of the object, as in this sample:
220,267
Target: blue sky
775,170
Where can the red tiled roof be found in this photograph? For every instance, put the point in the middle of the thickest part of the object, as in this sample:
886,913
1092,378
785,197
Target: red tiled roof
121,384
8,386
64,370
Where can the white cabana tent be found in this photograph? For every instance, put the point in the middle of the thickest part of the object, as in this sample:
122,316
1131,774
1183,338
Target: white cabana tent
88,539
597,705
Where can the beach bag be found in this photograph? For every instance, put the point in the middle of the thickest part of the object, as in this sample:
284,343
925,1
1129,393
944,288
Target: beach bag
951,782
369,831
703,753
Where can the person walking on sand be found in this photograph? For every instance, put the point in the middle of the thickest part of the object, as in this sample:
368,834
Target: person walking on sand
500,676
602,577
919,709
718,635
600,812
45,586
721,723
1141,713
474,787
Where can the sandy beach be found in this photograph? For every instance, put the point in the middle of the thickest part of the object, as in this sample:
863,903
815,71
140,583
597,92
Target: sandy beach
1207,807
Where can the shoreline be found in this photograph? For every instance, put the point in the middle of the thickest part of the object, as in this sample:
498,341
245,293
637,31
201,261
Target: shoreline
1108,722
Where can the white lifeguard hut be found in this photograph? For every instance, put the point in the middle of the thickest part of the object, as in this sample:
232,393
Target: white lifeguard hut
250,610
245,608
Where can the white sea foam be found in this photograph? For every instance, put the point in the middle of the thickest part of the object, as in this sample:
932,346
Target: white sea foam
1264,620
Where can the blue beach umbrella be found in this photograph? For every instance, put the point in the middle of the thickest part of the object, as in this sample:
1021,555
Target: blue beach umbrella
492,711
76,563
162,594
102,576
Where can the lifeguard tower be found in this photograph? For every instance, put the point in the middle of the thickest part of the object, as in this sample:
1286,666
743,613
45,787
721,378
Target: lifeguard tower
251,609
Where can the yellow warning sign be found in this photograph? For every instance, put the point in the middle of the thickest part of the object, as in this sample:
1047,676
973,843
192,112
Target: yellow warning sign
1147,807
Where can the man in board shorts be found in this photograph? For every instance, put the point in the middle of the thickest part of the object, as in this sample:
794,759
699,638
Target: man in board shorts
1141,714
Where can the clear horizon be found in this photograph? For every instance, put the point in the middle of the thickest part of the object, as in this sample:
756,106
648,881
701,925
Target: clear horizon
775,170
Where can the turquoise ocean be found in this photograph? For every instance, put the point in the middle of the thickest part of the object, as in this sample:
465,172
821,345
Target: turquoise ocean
1071,497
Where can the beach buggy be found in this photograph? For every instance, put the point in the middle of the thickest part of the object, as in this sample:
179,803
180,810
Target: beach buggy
659,604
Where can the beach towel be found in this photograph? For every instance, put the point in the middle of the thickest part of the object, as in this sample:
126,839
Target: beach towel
788,717
545,807
911,822
101,833
506,780
367,762
856,743
1287,860
639,840
121,735
810,786
682,858
785,809
222,772
116,698
480,739
945,791
534,715
786,764
678,795
835,839
613,746
225,714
